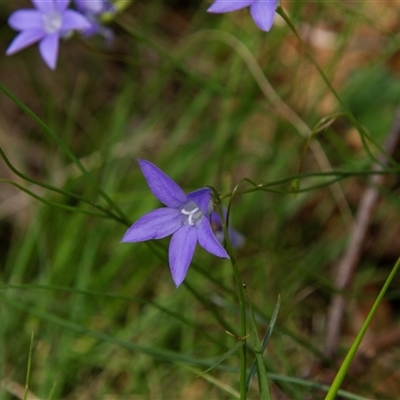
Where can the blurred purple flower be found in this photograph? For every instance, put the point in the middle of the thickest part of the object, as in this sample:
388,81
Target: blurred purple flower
50,21
92,10
262,11
185,218
236,238
94,7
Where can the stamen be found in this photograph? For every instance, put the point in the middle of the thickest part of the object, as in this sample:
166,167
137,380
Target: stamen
193,213
190,214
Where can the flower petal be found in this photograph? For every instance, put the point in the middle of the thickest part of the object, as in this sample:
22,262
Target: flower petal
236,238
181,249
61,5
21,20
44,6
202,198
156,224
263,13
74,20
96,29
48,48
208,241
222,6
91,6
162,186
24,39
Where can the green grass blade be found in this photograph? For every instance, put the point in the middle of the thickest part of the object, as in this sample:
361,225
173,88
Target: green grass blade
233,350
66,150
258,351
216,382
264,342
28,372
53,204
313,385
157,353
44,185
353,349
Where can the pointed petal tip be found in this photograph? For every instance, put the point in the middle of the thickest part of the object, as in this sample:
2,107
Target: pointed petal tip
263,14
177,282
23,40
181,250
208,241
162,186
144,163
223,6
124,239
48,49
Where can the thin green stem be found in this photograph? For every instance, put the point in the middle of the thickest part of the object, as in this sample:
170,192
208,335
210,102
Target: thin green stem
210,307
243,333
210,84
242,308
28,372
111,296
339,175
353,119
53,204
263,386
67,151
54,189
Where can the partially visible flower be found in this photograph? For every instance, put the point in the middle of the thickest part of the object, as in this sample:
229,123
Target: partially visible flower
50,21
92,9
236,238
185,218
262,11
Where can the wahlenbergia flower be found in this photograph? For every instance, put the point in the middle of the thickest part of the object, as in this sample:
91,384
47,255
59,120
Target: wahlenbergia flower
186,218
94,7
236,238
262,11
92,10
50,21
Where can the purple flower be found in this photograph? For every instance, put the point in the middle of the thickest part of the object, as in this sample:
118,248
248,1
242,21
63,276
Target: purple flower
94,7
236,238
50,21
262,11
185,218
92,10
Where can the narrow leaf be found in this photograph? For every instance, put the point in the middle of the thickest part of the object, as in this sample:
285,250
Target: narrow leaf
233,350
261,371
331,395
264,341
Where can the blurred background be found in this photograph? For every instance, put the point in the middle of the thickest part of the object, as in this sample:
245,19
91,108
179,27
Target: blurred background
209,99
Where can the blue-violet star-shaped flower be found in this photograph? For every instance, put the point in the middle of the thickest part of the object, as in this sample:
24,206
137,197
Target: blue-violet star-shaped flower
186,218
50,21
262,11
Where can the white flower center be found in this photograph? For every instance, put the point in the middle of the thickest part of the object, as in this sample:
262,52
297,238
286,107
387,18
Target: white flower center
193,212
52,22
